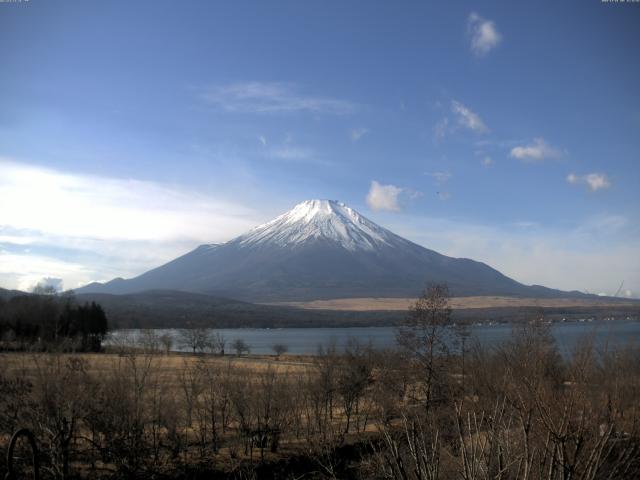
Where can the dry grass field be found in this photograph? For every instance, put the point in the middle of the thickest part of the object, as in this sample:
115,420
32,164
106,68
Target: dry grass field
169,367
142,410
480,302
137,412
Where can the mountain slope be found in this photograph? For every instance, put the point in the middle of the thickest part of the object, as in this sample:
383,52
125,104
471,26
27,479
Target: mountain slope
320,249
7,294
175,309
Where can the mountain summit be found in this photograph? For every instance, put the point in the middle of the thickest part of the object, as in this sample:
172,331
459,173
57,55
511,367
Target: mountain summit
320,249
320,221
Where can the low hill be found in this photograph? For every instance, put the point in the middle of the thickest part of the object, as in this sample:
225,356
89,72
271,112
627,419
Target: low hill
7,294
177,309
174,309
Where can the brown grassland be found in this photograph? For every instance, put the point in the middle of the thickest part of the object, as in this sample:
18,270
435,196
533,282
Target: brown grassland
479,302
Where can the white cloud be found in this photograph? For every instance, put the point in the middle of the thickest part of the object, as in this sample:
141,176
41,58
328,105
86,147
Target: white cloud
25,271
50,282
597,181
263,140
444,196
109,208
467,118
357,133
535,152
257,97
484,35
383,197
593,181
118,226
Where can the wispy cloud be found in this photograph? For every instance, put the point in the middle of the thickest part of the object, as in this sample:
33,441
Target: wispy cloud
537,151
494,143
272,98
291,152
131,224
384,197
263,140
357,133
604,223
27,256
288,150
441,128
484,35
25,271
104,207
440,177
461,117
468,118
593,181
487,162
595,254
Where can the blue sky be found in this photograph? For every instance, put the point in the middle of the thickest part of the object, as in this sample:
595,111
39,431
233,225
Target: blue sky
509,132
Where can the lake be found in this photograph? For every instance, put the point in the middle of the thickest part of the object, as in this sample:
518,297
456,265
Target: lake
304,341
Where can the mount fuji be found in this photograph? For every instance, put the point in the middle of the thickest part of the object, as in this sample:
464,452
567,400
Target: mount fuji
321,249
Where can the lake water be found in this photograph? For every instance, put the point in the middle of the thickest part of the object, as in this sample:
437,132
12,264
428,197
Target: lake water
611,333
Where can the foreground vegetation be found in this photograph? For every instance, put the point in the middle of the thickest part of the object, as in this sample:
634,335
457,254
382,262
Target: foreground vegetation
519,411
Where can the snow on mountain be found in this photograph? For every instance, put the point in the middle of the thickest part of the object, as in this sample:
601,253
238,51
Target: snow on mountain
320,249
315,220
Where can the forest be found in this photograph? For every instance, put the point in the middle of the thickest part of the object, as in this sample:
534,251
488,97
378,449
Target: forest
45,320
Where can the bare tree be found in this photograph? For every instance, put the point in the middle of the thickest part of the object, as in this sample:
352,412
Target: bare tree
122,342
195,339
212,404
280,349
216,343
167,342
426,337
191,384
149,340
240,346
272,410
462,332
60,399
355,375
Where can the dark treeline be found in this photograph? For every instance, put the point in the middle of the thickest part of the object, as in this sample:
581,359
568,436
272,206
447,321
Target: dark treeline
44,320
519,411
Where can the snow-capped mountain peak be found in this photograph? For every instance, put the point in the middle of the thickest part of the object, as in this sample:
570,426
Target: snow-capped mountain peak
327,220
320,249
